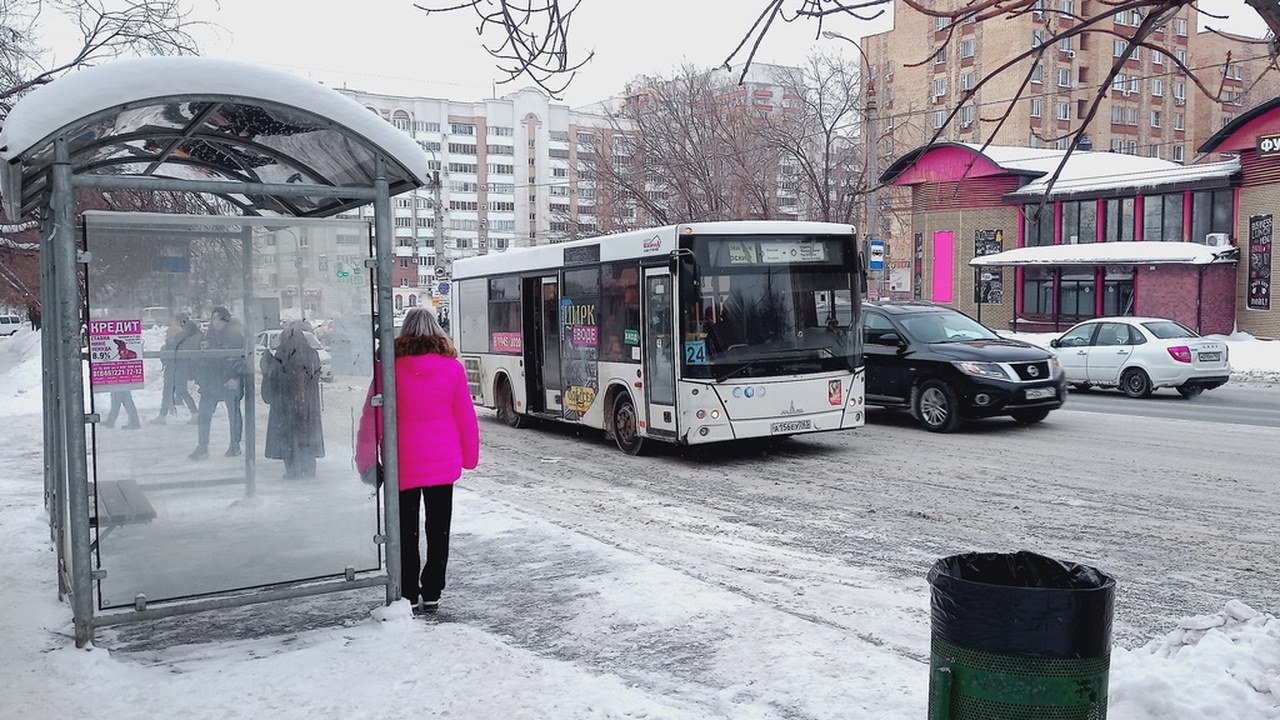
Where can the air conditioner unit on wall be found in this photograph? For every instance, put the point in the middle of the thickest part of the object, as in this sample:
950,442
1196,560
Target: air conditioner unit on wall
1217,239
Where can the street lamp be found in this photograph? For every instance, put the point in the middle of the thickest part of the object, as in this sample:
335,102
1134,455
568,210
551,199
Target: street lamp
873,159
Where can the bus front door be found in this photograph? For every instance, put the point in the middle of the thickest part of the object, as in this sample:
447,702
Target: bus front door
659,351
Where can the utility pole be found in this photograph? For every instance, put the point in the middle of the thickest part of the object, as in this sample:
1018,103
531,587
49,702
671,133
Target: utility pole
873,179
441,260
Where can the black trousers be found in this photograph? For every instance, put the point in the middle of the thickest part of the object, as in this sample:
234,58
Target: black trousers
415,578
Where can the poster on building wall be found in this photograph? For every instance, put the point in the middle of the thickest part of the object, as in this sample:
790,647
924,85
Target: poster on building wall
917,277
988,282
1259,262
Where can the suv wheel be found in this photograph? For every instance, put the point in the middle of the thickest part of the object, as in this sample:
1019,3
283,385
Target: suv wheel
1136,383
936,408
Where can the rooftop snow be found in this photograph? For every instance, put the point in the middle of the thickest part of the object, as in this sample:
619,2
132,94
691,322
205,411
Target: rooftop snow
1111,253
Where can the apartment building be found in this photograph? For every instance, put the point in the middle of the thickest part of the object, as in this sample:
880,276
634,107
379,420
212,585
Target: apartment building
512,172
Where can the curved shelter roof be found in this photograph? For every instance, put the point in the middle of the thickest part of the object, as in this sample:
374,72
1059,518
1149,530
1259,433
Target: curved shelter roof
205,119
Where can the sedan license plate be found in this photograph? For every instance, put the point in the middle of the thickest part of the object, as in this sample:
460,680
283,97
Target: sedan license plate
1210,357
789,426
1040,393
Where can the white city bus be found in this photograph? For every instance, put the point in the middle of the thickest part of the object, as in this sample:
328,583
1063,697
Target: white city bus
692,333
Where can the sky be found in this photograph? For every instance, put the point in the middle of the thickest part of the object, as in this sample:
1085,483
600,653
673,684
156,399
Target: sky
390,46
380,662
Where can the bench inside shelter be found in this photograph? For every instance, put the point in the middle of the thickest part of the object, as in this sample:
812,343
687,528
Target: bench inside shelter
120,503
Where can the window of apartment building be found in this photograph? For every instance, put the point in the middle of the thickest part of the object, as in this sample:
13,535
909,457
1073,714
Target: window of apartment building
559,190
1179,121
1181,55
500,188
404,222
1068,8
461,149
968,48
1210,212
966,81
502,206
1118,47
940,23
939,117
500,149
1226,120
1117,146
400,119
426,222
429,146
500,131
1153,150
1037,224
423,126
1035,107
404,263
587,194
559,153
966,116
501,169
1117,115
463,243
1162,217
1180,26
1133,147
1157,57
1136,55
1119,81
939,87
403,203
1079,222
586,138
559,135
1064,77
463,168
1064,111
1065,45
1037,73
559,172
1133,116
1118,220
1037,38
940,56
463,205
1156,117
461,129
461,186
1136,17
1177,153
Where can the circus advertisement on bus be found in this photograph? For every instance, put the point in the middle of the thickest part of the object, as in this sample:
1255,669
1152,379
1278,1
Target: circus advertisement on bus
579,343
115,354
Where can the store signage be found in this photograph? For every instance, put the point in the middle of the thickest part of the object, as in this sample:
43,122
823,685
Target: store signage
1269,145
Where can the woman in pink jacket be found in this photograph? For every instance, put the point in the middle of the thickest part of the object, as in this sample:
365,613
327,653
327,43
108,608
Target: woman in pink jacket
438,437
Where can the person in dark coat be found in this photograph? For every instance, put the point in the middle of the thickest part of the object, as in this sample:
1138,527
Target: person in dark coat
291,386
181,338
220,375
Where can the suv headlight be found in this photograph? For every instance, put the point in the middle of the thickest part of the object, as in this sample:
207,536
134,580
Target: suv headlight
981,369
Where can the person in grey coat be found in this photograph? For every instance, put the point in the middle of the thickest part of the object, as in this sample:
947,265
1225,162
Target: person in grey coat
291,386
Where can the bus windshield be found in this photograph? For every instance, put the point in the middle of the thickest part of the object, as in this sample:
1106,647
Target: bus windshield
757,306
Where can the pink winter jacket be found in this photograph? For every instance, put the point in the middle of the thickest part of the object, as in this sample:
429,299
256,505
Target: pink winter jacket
438,433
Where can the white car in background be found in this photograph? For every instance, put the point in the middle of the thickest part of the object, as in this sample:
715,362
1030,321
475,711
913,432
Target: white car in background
10,324
1141,354
271,339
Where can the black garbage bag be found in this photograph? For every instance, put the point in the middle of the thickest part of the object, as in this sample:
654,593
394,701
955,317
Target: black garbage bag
1022,604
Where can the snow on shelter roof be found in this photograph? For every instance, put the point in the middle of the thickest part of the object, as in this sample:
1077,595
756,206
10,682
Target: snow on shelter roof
204,119
1111,253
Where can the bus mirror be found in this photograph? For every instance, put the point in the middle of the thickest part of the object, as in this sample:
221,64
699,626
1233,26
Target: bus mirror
673,264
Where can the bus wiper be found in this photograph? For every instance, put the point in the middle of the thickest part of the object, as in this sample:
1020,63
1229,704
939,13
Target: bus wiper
741,368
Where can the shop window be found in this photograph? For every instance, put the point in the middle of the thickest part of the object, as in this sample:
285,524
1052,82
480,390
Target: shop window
1210,212
1076,296
1037,291
1079,222
1038,224
1162,218
1119,220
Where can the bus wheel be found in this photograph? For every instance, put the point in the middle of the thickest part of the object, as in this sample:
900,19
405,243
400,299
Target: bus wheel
626,426
507,405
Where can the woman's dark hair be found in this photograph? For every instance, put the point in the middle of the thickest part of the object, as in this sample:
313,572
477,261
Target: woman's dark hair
421,334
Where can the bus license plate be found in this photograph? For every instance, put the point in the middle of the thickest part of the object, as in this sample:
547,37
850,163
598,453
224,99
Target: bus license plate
1040,393
789,426
1210,357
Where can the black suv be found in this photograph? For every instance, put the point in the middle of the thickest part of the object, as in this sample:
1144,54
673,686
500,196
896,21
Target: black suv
945,367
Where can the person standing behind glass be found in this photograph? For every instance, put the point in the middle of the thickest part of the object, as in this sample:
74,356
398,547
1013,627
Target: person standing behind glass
220,375
291,386
438,437
181,335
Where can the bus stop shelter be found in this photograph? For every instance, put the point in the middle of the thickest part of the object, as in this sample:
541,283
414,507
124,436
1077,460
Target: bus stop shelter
237,176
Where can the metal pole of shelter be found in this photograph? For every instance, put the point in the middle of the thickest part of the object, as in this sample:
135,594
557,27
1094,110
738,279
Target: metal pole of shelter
247,391
387,356
67,279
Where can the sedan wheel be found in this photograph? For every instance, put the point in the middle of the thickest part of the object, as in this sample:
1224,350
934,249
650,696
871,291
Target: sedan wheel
936,407
1135,383
1189,391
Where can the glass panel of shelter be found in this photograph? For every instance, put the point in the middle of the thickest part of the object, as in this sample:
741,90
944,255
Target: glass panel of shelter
266,337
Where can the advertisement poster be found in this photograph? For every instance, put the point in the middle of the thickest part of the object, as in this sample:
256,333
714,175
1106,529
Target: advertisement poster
988,282
917,277
115,354
579,346
900,277
1259,297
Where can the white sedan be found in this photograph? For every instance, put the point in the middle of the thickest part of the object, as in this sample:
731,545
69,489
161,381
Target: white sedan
1141,354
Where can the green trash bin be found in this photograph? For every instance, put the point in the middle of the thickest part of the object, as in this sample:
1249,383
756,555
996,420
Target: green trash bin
1018,636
